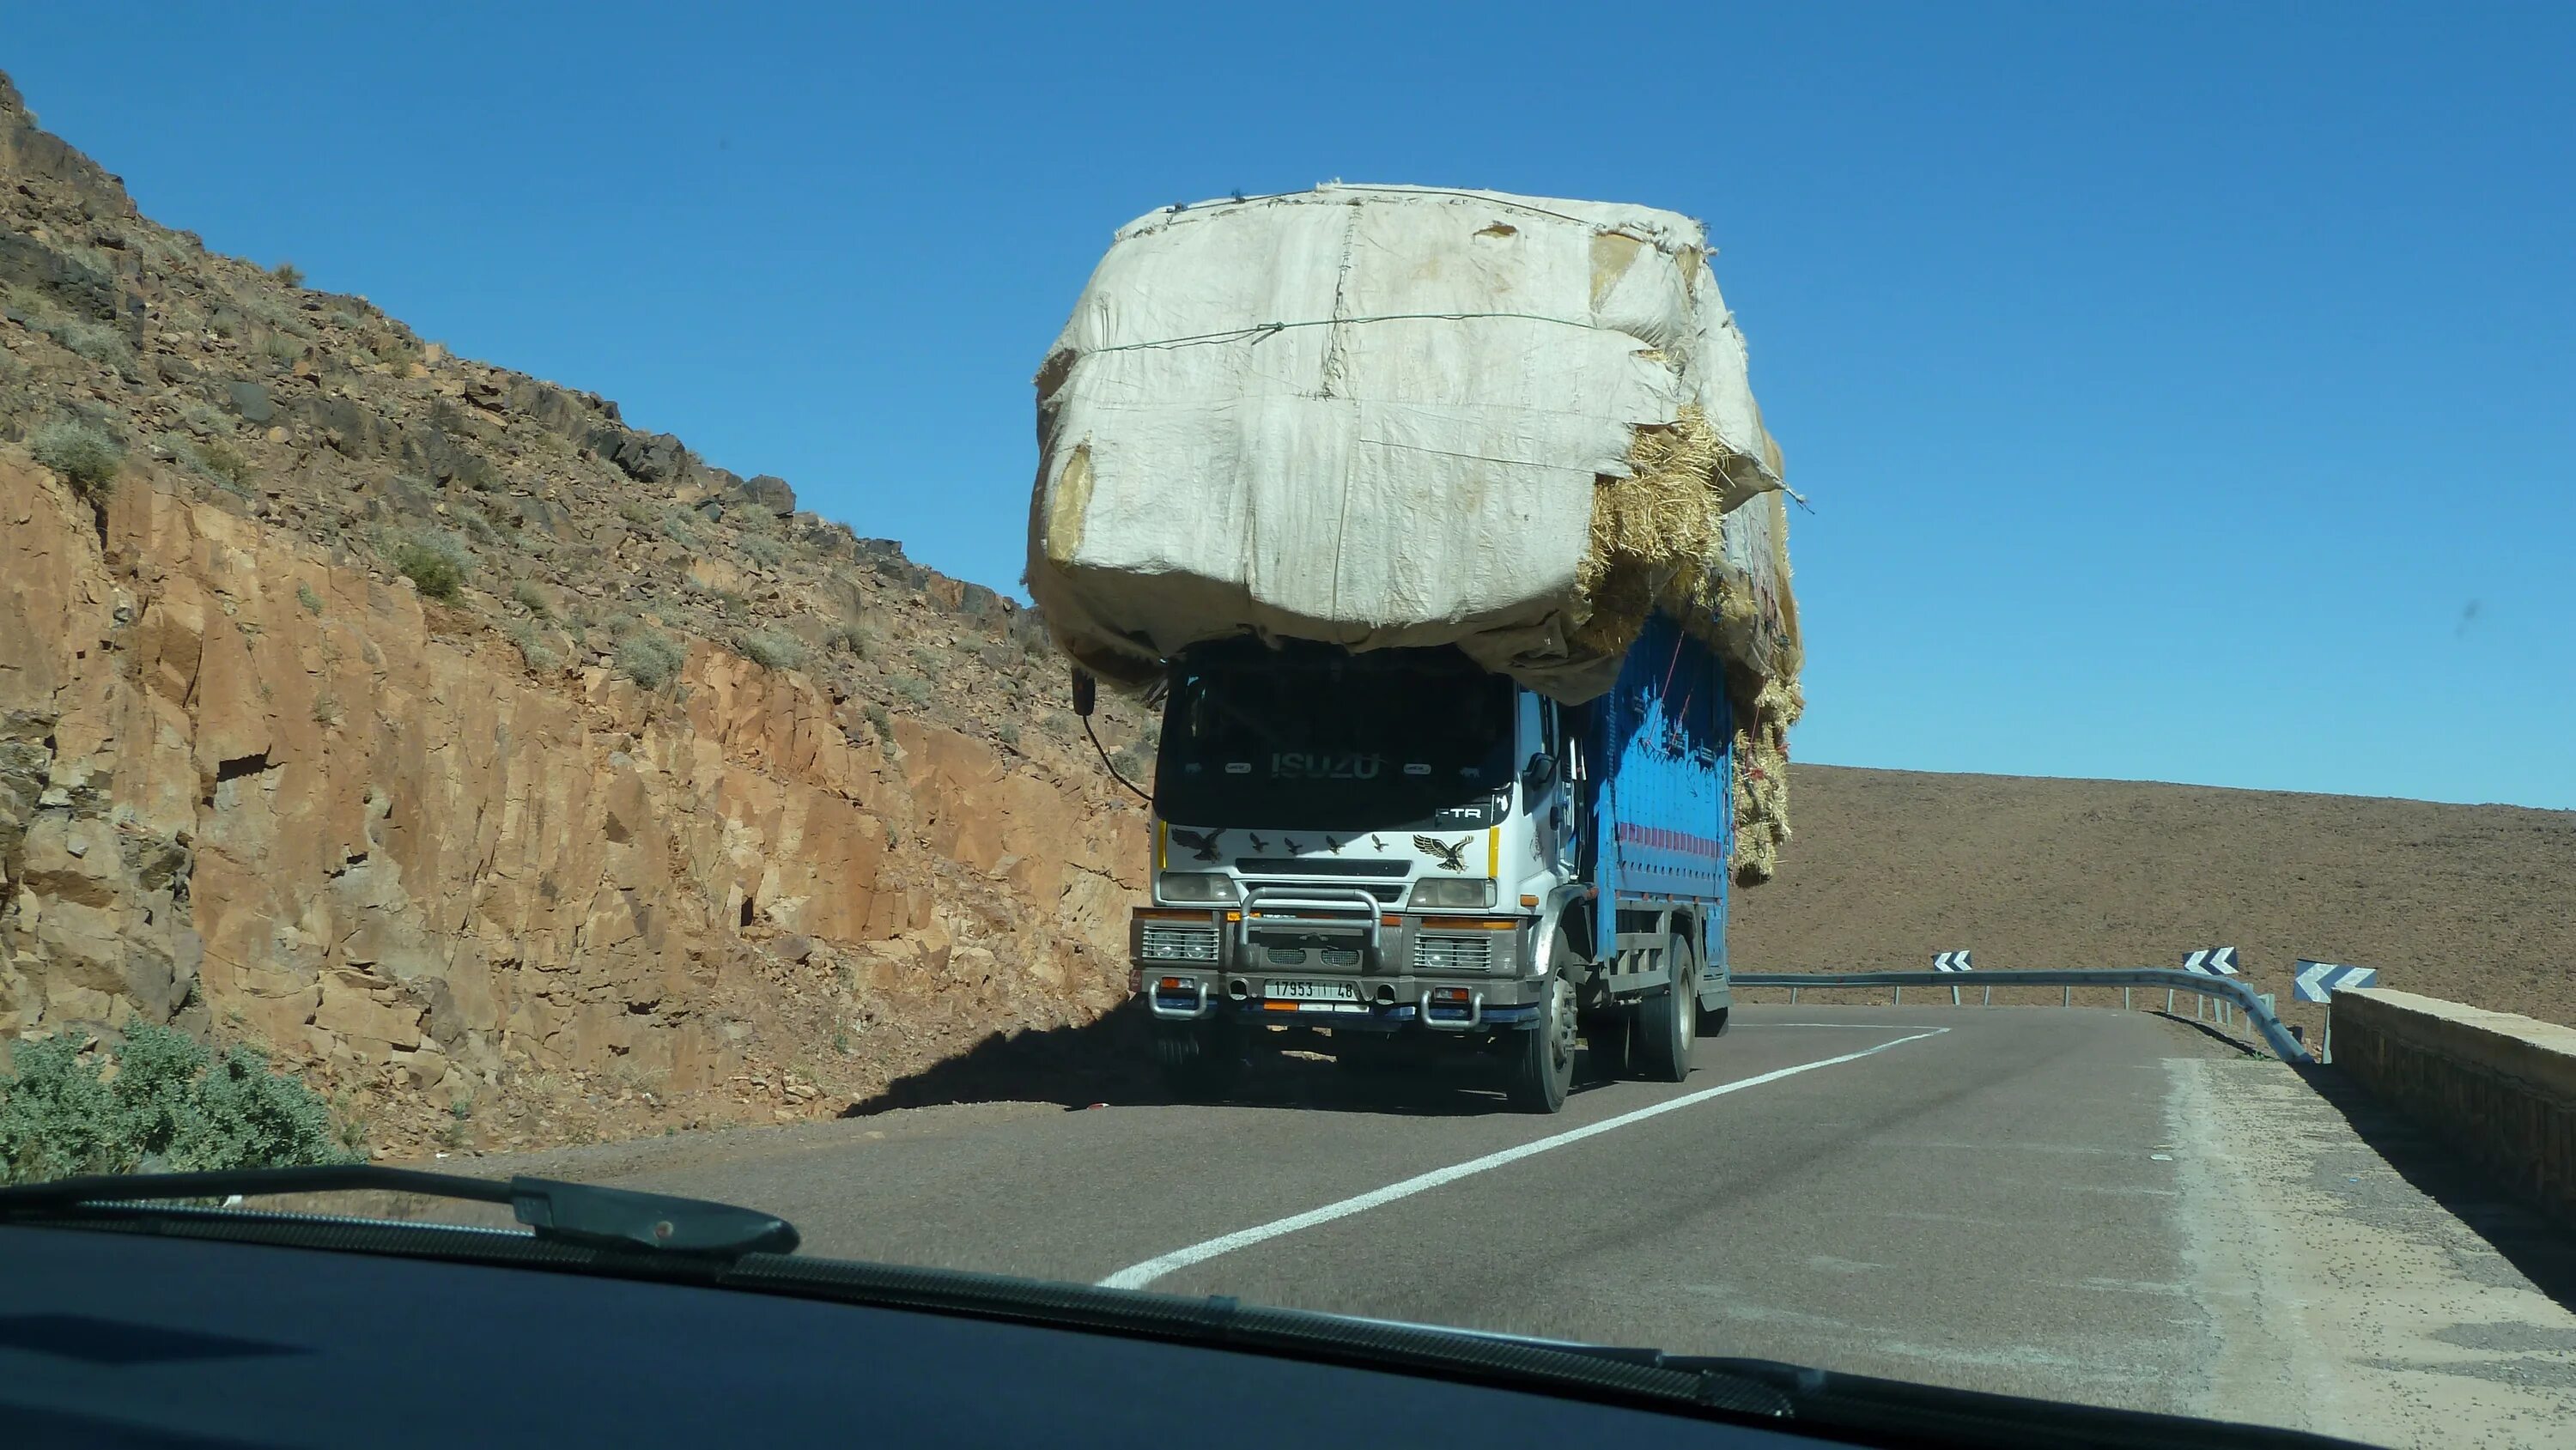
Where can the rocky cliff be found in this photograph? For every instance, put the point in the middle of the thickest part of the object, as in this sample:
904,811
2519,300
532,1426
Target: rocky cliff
516,775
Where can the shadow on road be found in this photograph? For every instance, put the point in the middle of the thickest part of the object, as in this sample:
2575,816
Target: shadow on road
1111,1061
2211,1030
2543,1251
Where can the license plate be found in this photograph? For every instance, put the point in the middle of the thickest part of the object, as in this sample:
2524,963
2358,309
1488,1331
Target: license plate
1311,992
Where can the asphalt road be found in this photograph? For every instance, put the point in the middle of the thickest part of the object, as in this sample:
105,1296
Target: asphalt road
2007,1199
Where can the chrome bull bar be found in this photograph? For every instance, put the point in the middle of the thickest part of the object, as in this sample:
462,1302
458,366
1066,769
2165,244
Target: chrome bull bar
1309,909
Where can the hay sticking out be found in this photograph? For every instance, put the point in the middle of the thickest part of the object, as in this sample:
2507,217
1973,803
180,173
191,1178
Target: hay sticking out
1762,779
1653,533
1657,538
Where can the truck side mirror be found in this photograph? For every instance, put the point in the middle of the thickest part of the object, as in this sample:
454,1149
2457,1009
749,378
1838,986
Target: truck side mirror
1538,774
1086,691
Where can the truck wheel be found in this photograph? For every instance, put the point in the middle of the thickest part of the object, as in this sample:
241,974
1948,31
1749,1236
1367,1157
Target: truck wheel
1199,1060
1542,1055
1668,1022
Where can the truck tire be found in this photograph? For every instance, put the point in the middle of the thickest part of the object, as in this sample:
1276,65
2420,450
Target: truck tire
1668,1021
1200,1060
1541,1070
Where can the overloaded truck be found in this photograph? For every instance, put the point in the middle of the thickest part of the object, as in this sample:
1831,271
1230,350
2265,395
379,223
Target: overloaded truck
1445,529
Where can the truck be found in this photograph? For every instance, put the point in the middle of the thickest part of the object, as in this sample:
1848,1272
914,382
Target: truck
1395,853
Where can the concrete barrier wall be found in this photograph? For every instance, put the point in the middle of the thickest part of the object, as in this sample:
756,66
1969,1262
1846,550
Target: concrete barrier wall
2499,1085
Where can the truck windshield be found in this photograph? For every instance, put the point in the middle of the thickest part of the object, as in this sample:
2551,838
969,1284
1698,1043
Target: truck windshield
1390,740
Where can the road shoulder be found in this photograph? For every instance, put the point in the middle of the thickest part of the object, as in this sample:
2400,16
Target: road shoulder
2345,1299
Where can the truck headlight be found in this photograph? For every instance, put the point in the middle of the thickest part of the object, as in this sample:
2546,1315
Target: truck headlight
1453,892
1196,886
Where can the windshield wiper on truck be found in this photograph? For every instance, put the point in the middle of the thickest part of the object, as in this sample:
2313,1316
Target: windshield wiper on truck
554,1211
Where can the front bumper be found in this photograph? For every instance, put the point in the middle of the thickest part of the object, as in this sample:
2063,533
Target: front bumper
1404,970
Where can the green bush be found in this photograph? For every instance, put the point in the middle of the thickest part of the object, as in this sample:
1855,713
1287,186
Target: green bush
435,563
650,658
856,640
774,649
539,655
96,341
765,552
305,596
80,453
171,1104
288,273
218,459
533,599
911,689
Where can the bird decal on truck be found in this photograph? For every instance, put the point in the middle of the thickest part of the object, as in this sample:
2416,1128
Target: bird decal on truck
1452,854
1201,842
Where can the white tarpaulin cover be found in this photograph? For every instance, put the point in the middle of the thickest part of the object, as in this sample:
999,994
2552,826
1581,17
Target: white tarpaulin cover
1380,416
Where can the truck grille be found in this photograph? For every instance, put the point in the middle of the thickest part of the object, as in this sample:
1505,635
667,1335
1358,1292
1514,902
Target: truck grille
1311,866
1387,891
1454,953
1169,942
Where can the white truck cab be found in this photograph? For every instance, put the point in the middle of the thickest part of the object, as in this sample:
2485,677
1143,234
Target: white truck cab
1390,849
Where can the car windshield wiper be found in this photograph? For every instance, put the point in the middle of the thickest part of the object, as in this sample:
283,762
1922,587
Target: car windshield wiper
554,1211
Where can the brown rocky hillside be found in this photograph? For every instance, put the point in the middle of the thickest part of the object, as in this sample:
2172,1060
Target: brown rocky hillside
516,775
2476,904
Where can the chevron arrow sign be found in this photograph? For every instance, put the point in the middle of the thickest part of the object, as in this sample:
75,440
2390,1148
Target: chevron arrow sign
2319,981
2211,962
1950,962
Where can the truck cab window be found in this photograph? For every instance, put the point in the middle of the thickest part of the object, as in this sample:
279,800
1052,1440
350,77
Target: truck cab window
1305,739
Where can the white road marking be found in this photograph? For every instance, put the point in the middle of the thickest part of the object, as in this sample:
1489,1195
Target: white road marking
1137,1276
1845,1026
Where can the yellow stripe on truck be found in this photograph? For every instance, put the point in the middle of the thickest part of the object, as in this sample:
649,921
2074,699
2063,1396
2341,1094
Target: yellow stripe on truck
1494,851
1162,845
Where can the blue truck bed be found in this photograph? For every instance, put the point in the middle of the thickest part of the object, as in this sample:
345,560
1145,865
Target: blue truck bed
1657,748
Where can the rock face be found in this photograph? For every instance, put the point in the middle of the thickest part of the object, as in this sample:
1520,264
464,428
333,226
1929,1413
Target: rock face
665,803
384,851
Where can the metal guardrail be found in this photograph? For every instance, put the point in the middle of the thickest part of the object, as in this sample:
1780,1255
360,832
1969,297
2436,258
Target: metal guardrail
2224,989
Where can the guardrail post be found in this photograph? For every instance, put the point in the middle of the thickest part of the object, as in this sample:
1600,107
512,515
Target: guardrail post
2169,1001
1954,995
1990,997
2124,999
2066,996
1900,996
1793,996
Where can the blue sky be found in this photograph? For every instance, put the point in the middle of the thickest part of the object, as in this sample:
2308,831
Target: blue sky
2186,392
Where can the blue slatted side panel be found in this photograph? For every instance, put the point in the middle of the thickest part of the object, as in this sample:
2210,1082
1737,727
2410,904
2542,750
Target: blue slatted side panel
1665,816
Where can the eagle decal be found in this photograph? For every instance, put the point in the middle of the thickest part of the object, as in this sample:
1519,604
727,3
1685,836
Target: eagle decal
1452,854
1201,842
